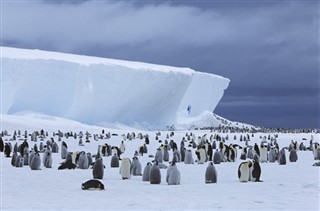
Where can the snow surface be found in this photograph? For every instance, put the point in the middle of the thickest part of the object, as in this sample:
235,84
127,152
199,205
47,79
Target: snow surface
99,90
294,186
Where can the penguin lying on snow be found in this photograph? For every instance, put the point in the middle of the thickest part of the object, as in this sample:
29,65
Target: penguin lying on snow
92,184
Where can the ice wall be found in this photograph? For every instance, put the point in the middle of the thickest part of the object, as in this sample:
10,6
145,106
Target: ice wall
94,90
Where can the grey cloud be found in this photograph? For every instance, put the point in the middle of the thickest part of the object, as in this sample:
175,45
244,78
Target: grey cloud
269,50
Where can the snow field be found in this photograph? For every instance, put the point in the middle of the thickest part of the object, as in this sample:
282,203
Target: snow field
294,186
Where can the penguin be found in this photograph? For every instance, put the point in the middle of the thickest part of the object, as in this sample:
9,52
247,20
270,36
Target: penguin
67,165
271,155
188,158
293,156
173,174
1,144
64,150
282,157
89,158
125,168
146,172
122,147
7,150
48,159
83,162
244,171
176,156
211,174
135,167
145,149
35,162
55,147
114,161
183,153
92,184
140,151
209,152
98,169
255,171
19,161
155,174
159,156
256,149
14,158
26,159
165,154
217,157
263,153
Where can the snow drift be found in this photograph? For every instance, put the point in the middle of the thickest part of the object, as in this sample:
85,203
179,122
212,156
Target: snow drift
94,90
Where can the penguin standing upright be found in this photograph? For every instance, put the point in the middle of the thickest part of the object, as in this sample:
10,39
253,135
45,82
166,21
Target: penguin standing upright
7,150
293,156
282,157
159,156
211,174
98,169
35,162
165,154
146,172
155,174
217,157
255,171
122,147
125,168
135,167
188,158
263,153
1,144
48,159
173,175
64,150
83,161
114,161
244,171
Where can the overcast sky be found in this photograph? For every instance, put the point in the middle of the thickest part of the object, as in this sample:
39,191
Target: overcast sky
268,49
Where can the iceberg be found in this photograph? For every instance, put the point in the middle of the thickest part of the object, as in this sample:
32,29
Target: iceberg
97,90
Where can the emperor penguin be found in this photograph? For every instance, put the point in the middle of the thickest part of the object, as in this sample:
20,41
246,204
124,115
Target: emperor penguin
92,184
14,158
48,159
211,174
255,171
293,156
173,175
55,147
98,169
122,147
159,156
271,155
155,174
217,157
188,157
83,162
146,172
1,144
165,154
282,157
244,171
35,162
176,157
114,161
7,150
136,167
26,159
263,153
18,161
125,168
64,150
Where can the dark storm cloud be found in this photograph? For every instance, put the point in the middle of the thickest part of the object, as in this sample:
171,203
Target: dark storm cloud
269,50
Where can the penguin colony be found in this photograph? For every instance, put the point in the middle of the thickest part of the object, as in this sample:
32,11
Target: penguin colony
36,149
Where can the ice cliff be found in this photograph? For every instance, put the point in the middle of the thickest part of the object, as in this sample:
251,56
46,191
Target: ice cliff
94,90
